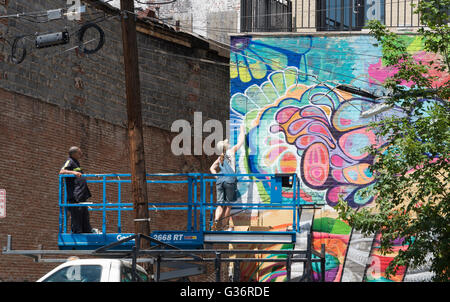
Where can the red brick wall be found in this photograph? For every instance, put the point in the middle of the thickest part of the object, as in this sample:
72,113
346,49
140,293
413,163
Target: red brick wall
34,139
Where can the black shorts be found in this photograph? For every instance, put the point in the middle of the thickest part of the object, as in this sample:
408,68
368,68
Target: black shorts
226,192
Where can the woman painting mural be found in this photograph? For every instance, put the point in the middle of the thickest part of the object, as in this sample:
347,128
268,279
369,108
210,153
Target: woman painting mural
226,186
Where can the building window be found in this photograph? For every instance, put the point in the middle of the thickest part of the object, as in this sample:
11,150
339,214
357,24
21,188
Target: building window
347,15
266,15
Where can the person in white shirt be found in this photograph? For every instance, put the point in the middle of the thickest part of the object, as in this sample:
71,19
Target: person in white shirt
226,185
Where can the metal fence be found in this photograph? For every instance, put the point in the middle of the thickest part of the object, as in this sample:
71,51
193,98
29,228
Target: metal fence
266,15
352,15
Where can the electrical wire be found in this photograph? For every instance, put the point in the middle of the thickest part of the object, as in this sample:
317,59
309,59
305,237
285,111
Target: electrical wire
80,35
44,21
314,67
287,48
14,47
176,55
312,47
41,13
227,30
44,13
273,64
19,15
241,54
173,1
332,89
69,49
82,32
339,8
264,62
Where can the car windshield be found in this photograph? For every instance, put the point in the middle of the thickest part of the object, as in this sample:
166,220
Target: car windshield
76,273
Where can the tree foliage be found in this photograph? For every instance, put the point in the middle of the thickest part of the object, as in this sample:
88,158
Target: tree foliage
412,165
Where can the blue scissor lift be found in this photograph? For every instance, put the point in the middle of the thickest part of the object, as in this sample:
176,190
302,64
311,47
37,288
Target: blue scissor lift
199,208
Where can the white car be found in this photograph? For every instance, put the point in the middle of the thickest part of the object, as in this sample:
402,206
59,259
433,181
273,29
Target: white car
95,270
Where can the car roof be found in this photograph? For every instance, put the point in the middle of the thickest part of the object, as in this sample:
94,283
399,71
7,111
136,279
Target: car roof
99,261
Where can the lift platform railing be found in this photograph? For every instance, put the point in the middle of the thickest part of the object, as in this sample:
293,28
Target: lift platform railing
200,196
274,201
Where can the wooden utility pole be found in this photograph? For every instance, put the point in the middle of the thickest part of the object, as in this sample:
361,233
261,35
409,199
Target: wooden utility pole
134,112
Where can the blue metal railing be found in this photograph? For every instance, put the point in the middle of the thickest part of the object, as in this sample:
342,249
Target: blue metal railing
198,202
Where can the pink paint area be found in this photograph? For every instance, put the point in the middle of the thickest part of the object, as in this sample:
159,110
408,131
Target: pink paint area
316,164
337,161
287,194
317,128
434,160
284,115
275,129
313,112
275,152
345,122
321,235
338,175
379,73
298,125
335,193
305,196
431,60
274,141
305,140
353,143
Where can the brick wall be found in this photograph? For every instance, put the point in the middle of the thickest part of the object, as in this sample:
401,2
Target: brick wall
51,102
172,87
35,137
209,21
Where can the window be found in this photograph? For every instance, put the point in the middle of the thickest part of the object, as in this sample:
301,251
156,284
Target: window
142,277
77,273
126,275
347,15
266,15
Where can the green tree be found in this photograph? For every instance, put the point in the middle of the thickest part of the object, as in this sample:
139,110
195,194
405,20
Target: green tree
412,166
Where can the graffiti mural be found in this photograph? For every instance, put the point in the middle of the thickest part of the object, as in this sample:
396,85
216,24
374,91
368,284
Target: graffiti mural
335,234
264,271
332,156
378,263
285,90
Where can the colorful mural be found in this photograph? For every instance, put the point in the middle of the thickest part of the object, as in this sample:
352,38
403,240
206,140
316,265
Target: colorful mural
264,271
335,234
284,89
377,264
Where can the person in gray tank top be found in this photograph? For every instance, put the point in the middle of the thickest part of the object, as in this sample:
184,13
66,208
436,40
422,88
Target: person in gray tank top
226,186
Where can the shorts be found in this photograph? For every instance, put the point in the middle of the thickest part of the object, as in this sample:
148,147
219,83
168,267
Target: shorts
226,192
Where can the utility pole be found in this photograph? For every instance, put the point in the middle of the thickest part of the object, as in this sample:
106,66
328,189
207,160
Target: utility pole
134,112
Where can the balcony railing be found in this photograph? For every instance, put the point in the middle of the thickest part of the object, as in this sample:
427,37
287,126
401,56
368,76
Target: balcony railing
352,15
266,15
